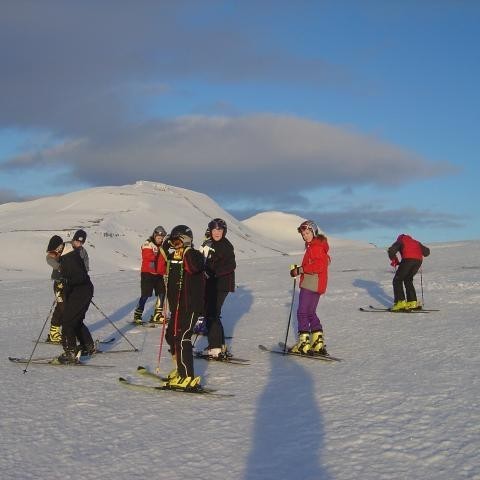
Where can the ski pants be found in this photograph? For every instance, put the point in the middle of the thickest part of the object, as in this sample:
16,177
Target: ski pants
179,338
76,305
150,283
407,269
307,318
57,315
214,300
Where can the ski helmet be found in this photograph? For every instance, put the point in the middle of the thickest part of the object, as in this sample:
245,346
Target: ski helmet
159,231
80,235
308,225
181,230
218,223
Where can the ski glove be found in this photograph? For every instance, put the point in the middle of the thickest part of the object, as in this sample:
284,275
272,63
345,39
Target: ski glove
187,241
394,263
296,271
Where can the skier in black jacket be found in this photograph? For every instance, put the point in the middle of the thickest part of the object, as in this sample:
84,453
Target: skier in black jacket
220,273
185,292
78,290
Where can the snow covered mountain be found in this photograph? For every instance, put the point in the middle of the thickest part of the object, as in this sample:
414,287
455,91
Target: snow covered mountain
282,227
118,219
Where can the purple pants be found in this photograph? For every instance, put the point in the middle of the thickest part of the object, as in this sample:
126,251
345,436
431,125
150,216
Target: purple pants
307,311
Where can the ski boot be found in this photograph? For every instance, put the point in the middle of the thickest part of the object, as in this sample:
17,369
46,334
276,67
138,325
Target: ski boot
68,357
318,346
87,350
399,306
54,335
213,353
173,374
157,318
137,316
225,354
303,344
413,305
183,383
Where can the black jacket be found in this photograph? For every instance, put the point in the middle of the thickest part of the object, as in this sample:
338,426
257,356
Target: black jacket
186,282
220,264
73,270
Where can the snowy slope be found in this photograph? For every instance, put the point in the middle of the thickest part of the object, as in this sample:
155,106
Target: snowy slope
404,403
117,220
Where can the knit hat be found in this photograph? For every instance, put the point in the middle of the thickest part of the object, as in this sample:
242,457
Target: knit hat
80,235
54,243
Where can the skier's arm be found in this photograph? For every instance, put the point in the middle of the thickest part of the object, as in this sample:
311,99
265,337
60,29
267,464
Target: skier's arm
393,250
193,261
425,250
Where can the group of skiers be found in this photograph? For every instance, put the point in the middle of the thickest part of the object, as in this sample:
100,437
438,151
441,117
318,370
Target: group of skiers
192,284
189,282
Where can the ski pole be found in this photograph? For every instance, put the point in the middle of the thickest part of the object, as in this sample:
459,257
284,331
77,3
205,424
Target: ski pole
135,349
41,332
421,284
290,314
162,334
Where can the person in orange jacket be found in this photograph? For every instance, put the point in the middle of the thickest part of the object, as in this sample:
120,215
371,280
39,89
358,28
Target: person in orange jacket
411,252
313,283
154,267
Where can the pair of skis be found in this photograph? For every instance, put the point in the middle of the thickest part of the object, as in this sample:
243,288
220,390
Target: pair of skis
50,360
99,342
146,372
228,359
285,351
373,309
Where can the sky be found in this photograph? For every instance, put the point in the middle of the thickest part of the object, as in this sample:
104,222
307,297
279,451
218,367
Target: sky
362,116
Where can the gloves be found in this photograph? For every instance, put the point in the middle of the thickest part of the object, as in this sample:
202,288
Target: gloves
394,263
187,241
296,271
206,248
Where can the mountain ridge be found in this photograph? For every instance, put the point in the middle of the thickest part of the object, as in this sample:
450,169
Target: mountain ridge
117,220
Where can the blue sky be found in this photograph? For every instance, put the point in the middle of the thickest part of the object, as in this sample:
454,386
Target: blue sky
360,115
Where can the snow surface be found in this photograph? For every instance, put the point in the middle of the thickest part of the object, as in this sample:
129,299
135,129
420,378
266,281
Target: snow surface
404,403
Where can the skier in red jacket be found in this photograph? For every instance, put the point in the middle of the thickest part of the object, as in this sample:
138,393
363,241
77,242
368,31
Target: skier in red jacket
154,267
313,283
411,256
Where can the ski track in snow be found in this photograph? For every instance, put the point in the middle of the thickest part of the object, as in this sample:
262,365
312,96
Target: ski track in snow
404,403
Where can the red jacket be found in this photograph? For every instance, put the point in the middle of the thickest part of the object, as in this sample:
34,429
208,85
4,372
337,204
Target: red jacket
153,258
316,260
409,248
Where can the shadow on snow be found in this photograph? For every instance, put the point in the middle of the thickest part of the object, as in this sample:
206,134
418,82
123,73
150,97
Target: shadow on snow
288,437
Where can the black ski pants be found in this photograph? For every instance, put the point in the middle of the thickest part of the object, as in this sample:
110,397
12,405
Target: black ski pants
76,305
407,269
179,338
214,300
